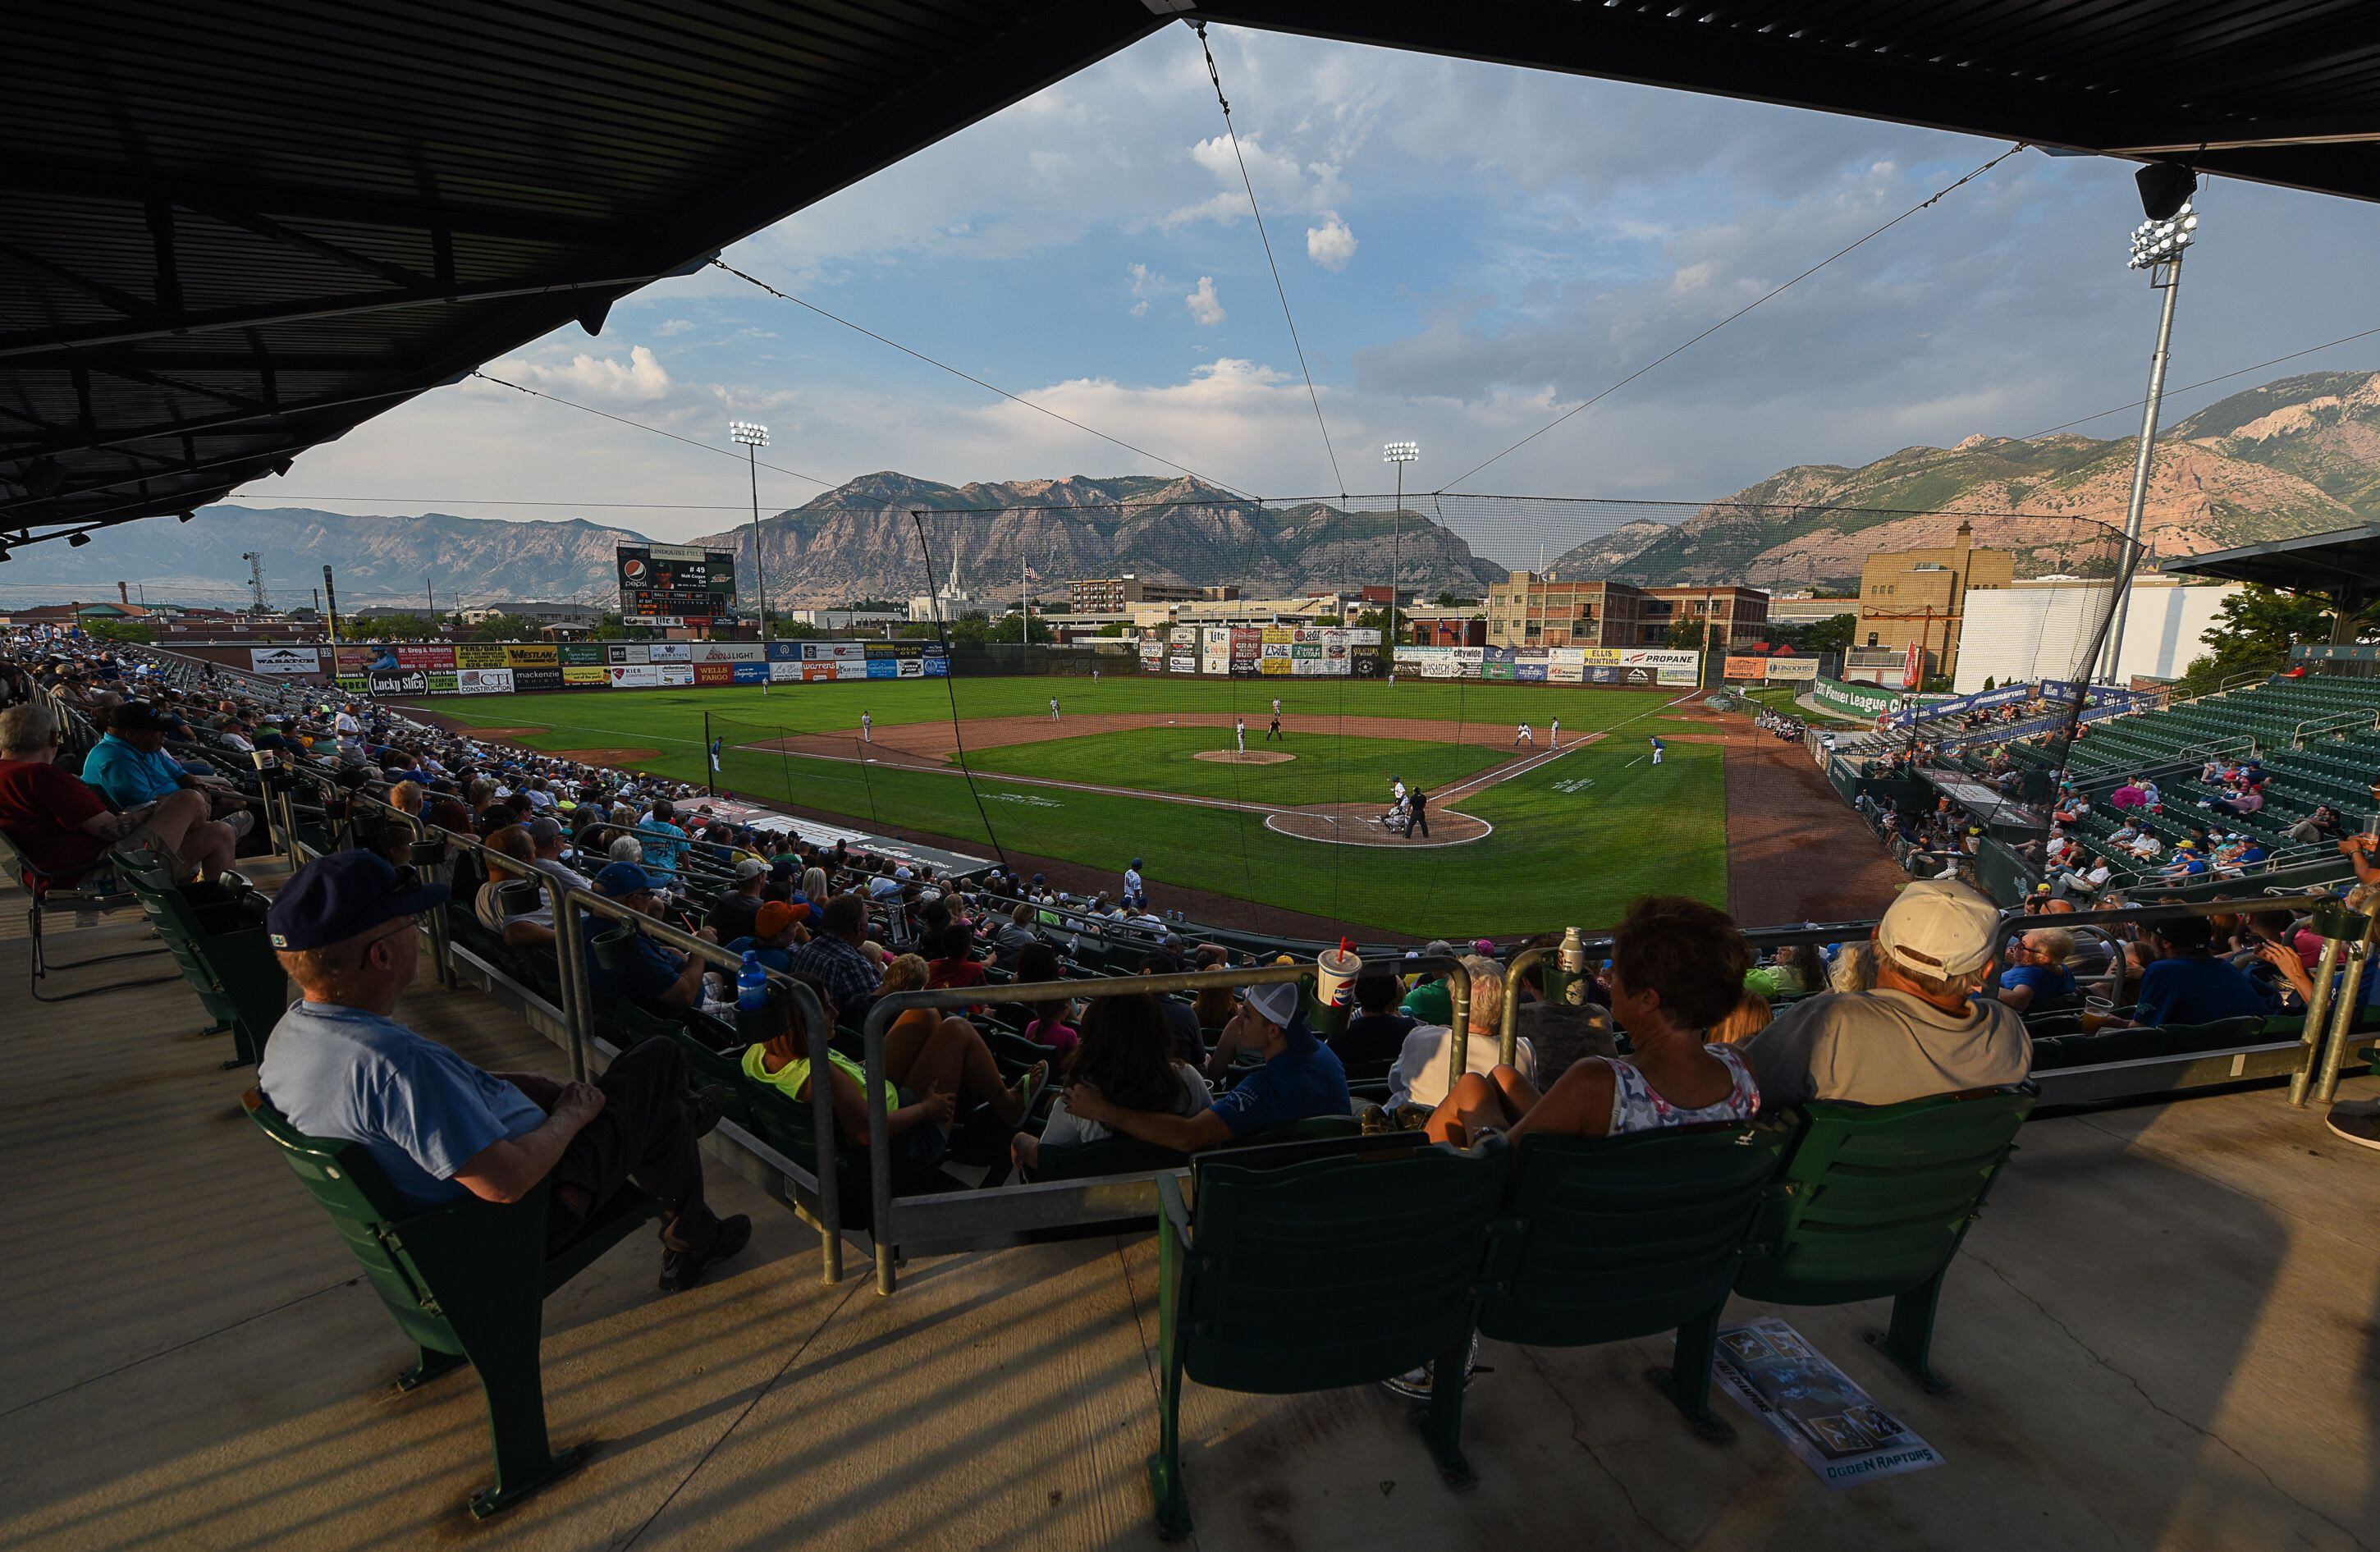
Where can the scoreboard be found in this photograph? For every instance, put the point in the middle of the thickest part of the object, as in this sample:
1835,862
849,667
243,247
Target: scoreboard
672,584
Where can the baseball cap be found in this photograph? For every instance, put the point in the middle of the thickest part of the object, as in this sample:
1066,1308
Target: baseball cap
750,869
777,915
1438,946
619,878
342,895
1277,1002
542,831
1484,947
135,716
1938,928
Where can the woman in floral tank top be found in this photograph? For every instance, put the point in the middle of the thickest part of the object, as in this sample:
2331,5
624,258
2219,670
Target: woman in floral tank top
1677,970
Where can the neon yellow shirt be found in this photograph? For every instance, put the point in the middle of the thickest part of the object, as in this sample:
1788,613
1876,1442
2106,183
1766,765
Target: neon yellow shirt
795,1075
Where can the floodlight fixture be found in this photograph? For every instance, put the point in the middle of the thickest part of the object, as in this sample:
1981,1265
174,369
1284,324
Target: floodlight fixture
749,433
2161,242
1400,452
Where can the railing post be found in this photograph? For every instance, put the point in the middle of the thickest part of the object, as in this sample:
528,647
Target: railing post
570,940
1508,1042
2344,1007
879,1136
1458,1021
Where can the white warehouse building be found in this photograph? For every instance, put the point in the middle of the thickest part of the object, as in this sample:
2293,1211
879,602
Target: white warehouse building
2040,628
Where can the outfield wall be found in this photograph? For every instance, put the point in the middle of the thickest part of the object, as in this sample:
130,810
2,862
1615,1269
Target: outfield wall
1555,665
427,668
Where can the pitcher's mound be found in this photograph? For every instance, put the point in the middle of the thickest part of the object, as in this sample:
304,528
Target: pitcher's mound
1358,824
1243,757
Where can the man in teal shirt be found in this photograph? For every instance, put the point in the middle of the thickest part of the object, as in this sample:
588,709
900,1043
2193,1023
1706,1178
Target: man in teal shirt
130,766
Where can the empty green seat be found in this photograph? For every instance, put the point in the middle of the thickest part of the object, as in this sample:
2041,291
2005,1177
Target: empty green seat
1872,1203
466,1283
1315,1274
233,970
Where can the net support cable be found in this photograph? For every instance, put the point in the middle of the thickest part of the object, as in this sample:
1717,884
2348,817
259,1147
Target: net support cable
950,683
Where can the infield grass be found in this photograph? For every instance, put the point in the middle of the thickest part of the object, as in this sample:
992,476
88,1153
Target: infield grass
1322,769
1575,838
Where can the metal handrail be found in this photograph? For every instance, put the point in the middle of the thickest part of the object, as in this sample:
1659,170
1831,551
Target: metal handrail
2337,721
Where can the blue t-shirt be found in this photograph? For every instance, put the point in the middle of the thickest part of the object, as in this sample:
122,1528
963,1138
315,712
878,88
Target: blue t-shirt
775,959
1304,1080
663,843
128,777
649,970
2197,991
418,1108
2046,981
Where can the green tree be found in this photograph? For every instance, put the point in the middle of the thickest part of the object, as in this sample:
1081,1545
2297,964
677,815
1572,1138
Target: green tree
2254,630
1830,635
1688,634
393,627
134,632
1990,683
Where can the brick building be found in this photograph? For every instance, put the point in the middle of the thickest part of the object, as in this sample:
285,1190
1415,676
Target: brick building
1527,609
1918,596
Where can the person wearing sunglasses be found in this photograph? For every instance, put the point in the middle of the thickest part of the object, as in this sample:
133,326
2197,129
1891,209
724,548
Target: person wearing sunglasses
340,1066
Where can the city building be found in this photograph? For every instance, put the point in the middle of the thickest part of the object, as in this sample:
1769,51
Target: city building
1448,628
869,620
558,616
2043,628
1106,595
1804,608
1529,609
1919,596
1237,610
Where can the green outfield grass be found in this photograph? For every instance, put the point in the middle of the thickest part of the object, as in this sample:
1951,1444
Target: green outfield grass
1575,838
1323,768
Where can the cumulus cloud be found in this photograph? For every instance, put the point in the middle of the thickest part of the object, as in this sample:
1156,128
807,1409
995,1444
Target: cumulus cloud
641,379
1330,245
1147,287
1204,309
668,327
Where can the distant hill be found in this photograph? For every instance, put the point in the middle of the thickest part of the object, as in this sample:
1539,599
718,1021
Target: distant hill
2299,456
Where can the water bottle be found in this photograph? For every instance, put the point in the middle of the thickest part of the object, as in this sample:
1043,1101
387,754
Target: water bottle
751,984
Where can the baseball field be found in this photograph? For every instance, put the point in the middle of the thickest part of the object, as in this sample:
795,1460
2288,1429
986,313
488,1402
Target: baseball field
1522,834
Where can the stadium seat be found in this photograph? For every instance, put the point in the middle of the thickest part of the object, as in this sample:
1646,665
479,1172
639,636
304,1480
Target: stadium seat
90,891
1872,1203
223,952
1606,1238
1315,1274
465,1283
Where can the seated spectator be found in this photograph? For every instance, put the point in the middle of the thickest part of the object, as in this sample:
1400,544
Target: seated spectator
1127,1054
62,826
545,836
2037,976
2129,796
2086,882
776,932
340,1067
2321,825
664,842
956,965
652,975
1430,1000
1677,972
833,959
518,929
1300,1078
1797,969
1853,969
1377,1032
2186,984
732,913
1750,1016
1180,1018
918,1126
1420,1075
926,1045
1014,934
130,767
1921,1032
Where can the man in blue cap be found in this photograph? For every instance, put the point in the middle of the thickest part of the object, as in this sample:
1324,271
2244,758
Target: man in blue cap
653,976
338,1065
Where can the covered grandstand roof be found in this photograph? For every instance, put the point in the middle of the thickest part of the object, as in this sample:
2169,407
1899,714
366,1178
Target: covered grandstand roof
233,233
2346,560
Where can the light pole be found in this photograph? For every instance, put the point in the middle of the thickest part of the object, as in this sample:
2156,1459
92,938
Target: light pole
2157,244
754,437
1400,454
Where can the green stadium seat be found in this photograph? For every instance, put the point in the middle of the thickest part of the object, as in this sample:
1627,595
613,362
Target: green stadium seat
1315,1274
465,1283
1872,1203
1606,1238
235,972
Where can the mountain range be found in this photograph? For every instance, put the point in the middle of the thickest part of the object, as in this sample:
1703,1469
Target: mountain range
2297,455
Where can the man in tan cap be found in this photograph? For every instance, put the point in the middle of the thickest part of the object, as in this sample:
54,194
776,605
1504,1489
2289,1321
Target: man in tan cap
1921,1031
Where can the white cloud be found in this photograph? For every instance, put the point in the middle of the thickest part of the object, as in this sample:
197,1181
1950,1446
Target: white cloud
668,327
1204,307
639,379
1330,245
1147,287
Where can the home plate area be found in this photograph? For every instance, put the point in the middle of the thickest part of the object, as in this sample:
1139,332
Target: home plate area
1366,824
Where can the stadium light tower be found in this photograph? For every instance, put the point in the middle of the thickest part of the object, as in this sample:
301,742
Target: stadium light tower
2157,246
1400,454
754,437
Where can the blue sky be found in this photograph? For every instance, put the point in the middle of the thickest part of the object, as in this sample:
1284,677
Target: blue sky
1469,249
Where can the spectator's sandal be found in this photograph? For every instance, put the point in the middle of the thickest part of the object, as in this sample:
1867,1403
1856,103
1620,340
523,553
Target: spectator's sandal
682,1270
1029,1086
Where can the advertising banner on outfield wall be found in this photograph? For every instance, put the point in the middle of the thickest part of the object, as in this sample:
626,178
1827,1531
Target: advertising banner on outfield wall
851,668
936,667
910,668
583,654
833,651
479,654
532,654
729,651
635,676
626,652
714,673
1792,669
425,655
676,676
533,679
1152,652
1181,663
483,681
786,651
284,660
398,682
748,673
670,652
584,674
884,668
785,672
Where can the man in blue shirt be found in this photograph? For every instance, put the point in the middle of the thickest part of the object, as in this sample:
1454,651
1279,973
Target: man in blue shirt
2037,976
1300,1078
664,842
340,1067
654,977
2189,984
130,767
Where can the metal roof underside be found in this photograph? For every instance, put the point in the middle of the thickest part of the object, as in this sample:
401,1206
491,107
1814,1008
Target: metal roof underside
2324,563
230,232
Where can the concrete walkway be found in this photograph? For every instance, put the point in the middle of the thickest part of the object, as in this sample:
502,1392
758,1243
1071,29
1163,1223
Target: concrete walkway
2163,1332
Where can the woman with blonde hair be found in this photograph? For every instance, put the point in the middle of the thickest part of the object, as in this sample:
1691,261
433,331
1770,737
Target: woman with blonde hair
1750,1017
1854,968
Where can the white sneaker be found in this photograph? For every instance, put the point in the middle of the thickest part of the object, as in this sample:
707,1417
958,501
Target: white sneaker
2357,1121
240,821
